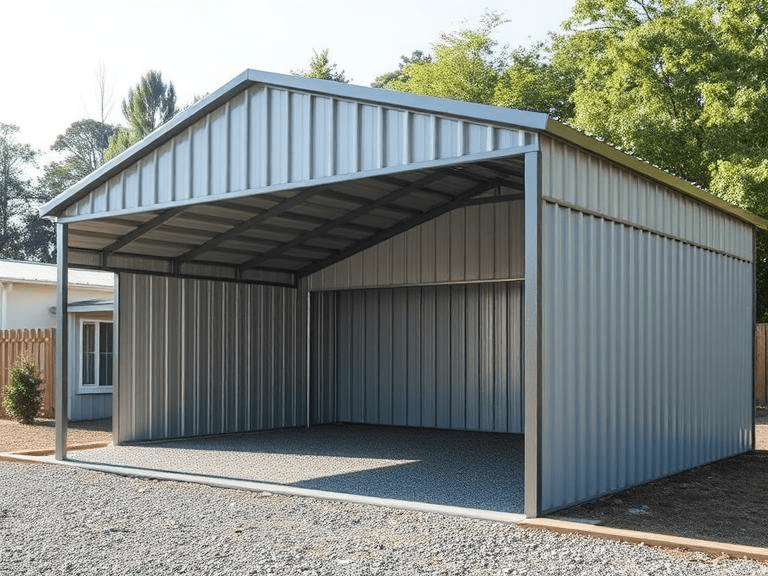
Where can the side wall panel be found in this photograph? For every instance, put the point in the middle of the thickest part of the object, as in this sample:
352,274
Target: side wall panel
431,357
646,355
204,357
575,177
474,243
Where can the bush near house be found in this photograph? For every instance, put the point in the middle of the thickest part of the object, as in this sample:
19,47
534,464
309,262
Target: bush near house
24,395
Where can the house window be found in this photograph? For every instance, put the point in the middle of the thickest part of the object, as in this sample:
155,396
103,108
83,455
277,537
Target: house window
96,356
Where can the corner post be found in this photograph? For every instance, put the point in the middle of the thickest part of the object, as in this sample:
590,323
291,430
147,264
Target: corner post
116,362
61,392
308,351
532,334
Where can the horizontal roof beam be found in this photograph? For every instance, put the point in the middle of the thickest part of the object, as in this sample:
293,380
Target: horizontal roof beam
123,241
276,210
353,215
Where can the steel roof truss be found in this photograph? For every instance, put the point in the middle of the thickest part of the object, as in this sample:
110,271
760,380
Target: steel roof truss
354,214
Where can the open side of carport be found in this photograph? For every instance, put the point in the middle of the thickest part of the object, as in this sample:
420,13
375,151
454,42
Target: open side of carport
293,251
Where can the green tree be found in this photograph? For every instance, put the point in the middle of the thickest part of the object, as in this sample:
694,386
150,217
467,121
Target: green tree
682,84
148,105
536,78
85,141
470,64
466,65
384,80
320,66
16,159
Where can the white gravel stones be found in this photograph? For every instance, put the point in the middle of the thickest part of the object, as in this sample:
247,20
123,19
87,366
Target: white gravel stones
57,520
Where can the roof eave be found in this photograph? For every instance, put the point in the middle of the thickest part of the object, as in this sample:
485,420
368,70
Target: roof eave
506,116
174,126
560,130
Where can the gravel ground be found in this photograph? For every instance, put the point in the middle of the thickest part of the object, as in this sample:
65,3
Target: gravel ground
56,520
467,469
39,436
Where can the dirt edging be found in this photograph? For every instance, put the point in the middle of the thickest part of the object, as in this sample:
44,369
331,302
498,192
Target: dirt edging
715,549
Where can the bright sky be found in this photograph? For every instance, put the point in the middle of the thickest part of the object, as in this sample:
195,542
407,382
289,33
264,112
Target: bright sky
51,49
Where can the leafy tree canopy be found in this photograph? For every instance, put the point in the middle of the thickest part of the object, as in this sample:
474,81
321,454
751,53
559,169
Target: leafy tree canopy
466,65
148,105
681,84
471,65
384,80
86,141
16,160
320,66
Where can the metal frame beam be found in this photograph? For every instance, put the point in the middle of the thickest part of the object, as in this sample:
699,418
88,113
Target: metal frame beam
352,215
532,334
61,390
123,241
116,362
276,210
365,202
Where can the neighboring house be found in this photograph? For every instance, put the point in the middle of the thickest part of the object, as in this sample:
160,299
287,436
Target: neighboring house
27,300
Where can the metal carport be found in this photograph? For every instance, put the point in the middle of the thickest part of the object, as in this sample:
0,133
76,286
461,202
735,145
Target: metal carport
250,232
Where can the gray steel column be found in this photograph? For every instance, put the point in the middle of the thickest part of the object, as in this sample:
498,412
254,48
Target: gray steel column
308,354
532,334
116,362
61,393
753,340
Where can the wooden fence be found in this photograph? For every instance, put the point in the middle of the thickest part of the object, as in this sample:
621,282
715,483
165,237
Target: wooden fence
39,345
761,365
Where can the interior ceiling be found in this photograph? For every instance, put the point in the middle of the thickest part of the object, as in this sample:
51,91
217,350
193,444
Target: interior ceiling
299,231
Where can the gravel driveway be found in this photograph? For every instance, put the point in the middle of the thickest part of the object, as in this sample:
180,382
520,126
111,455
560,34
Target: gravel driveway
56,520
448,467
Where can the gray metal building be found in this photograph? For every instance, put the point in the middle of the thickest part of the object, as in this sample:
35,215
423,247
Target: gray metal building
293,251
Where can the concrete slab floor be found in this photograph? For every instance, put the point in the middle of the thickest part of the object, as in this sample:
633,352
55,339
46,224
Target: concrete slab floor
452,468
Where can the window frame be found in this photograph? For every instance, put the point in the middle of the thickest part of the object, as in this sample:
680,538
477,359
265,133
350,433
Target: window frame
83,388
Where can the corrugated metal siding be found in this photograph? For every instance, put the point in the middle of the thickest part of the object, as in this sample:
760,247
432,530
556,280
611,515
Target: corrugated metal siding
432,357
646,355
269,137
203,357
467,244
576,177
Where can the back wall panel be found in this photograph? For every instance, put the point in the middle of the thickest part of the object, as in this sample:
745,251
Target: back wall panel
203,357
431,357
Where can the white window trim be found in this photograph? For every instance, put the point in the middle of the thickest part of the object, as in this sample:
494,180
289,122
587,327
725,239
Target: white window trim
90,388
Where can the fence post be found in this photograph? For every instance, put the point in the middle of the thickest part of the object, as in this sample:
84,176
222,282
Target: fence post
761,391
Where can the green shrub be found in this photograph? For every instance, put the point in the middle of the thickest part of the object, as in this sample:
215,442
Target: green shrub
24,395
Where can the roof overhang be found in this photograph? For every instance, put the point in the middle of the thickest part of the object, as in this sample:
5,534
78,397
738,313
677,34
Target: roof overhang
274,177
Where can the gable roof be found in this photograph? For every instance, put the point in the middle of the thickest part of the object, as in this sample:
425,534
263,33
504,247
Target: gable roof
478,115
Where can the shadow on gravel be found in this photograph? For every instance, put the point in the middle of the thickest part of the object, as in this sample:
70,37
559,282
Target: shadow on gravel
454,468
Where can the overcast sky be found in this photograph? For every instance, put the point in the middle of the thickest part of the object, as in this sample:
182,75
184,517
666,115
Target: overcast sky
50,49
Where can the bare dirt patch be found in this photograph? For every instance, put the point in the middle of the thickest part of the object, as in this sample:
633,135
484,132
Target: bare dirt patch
15,437
725,501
